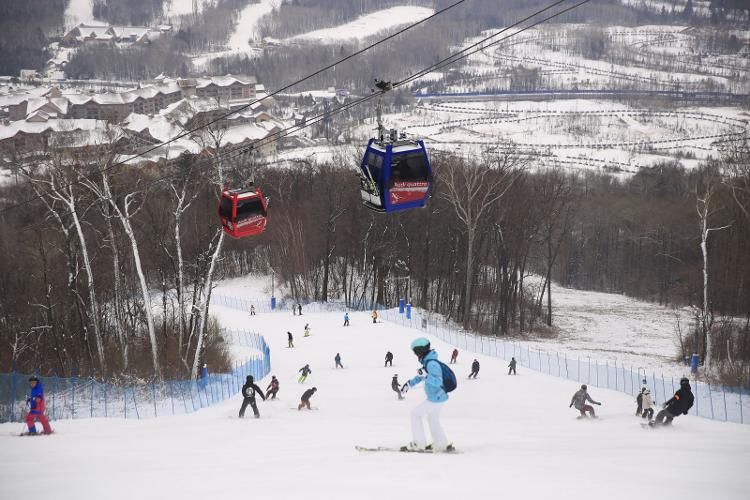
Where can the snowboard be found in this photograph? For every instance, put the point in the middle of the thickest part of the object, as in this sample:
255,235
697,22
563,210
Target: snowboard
366,449
581,417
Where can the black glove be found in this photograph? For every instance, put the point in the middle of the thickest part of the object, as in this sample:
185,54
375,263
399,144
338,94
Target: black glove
404,388
571,405
684,413
598,404
420,372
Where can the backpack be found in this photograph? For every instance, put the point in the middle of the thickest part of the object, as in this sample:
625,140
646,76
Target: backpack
449,378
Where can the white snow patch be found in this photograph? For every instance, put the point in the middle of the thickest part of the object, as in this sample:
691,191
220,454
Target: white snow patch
368,25
248,23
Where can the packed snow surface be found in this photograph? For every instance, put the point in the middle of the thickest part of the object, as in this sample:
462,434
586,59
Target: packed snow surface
248,23
517,436
79,11
368,25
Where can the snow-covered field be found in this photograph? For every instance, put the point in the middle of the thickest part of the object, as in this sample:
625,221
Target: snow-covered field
79,11
517,436
248,22
367,25
573,133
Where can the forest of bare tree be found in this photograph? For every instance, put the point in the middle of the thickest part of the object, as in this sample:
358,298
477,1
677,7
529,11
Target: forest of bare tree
111,272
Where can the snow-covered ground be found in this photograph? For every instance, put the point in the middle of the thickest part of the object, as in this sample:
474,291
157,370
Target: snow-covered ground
248,23
517,436
367,25
79,11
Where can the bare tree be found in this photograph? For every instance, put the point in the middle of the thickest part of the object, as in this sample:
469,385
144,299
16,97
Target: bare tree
472,190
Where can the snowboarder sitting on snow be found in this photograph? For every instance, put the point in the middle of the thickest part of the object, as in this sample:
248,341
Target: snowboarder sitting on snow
305,400
273,388
454,356
647,404
388,359
346,319
249,391
290,338
305,371
432,376
36,407
579,400
680,403
512,366
337,359
474,369
396,386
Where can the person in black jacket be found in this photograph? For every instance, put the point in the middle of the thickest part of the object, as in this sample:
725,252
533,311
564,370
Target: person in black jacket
290,338
512,366
388,359
249,391
305,371
396,387
305,400
337,359
474,369
680,403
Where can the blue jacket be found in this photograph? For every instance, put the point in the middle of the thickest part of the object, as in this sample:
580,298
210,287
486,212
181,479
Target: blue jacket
433,382
36,393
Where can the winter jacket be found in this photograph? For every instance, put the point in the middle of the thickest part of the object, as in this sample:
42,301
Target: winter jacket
308,394
475,366
249,390
389,356
579,399
682,401
433,382
337,359
646,401
512,363
274,385
395,385
289,335
305,370
36,398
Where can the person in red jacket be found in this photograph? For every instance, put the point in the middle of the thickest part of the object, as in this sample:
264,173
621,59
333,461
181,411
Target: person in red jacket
36,407
454,356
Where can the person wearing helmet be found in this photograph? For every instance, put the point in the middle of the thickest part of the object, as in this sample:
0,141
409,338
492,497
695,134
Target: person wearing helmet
432,376
36,407
678,405
249,391
579,400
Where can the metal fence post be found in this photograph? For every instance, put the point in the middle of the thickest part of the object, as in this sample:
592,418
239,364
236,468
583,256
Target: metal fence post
724,393
171,394
105,400
54,394
12,395
153,393
711,401
93,386
606,366
135,405
597,372
742,418
125,403
73,404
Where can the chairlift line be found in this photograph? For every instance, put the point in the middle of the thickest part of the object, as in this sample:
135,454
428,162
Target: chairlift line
417,146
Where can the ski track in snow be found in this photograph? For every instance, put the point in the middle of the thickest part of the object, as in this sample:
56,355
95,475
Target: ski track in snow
248,22
77,12
367,25
516,434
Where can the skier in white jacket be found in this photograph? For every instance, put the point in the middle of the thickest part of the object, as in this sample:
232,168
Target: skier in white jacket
647,404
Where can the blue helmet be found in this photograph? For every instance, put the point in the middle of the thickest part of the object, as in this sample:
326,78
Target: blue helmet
420,346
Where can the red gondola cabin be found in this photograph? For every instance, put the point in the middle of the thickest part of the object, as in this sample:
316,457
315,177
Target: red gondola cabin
243,212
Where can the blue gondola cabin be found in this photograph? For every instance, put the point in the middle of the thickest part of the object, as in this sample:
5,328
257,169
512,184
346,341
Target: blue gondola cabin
395,175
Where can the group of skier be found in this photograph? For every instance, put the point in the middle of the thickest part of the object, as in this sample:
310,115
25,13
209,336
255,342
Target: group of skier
677,405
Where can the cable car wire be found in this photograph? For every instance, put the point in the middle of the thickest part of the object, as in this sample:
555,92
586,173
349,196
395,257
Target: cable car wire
267,96
276,136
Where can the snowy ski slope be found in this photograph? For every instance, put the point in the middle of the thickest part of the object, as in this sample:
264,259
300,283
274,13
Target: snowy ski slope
518,437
